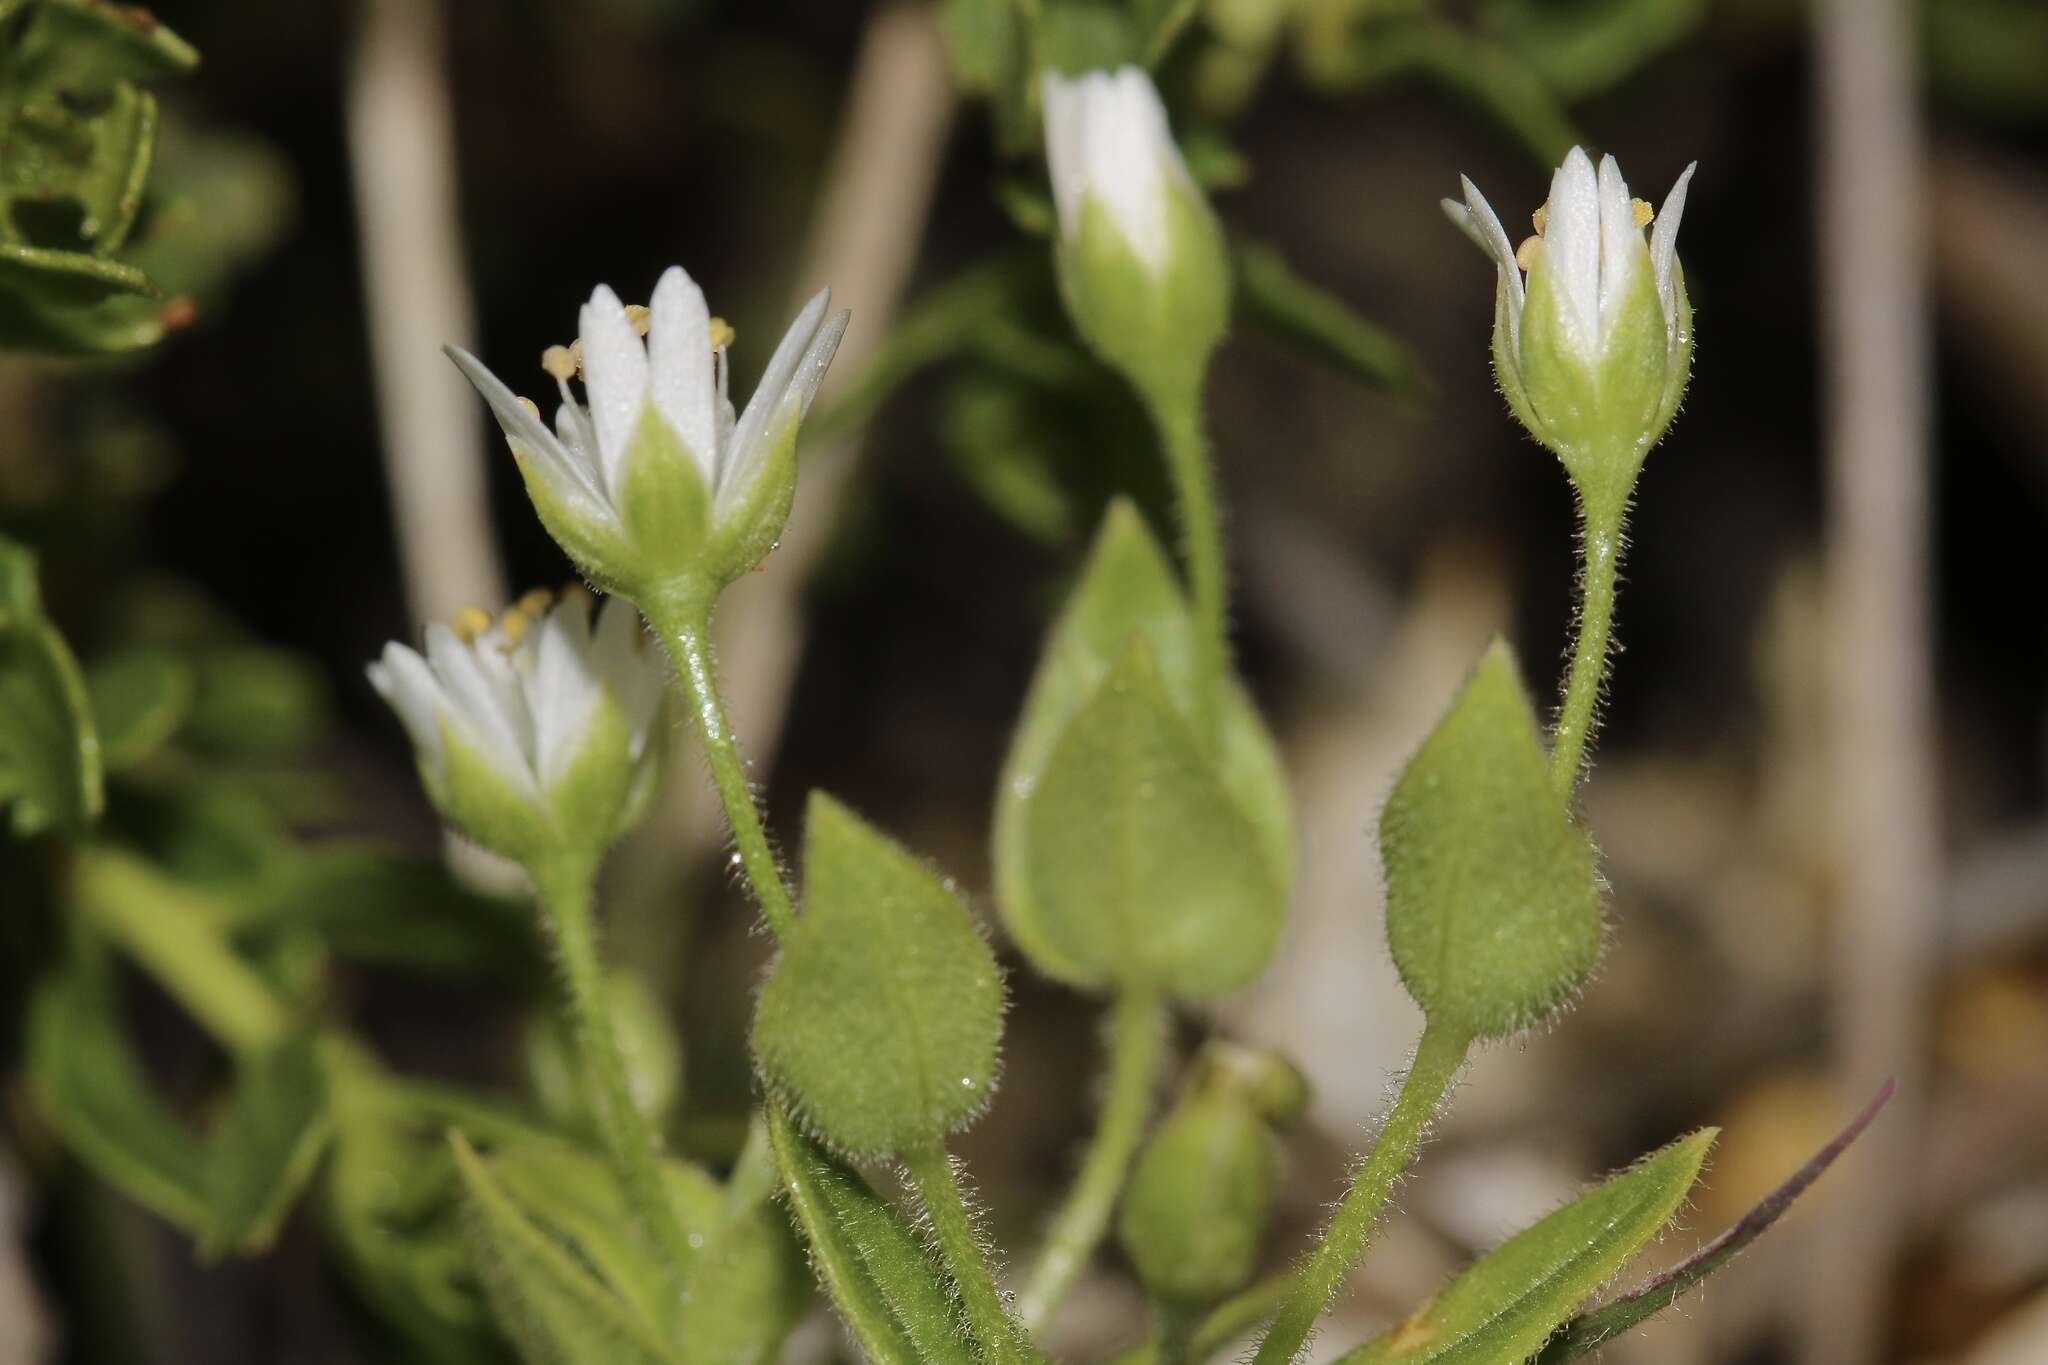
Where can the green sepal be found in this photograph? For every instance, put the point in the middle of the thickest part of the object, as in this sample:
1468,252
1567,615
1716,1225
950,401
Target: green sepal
1599,414
577,818
547,1301
1127,590
600,550
1493,897
1145,873
880,1021
748,519
1200,1196
1506,1305
664,502
870,1263
1157,329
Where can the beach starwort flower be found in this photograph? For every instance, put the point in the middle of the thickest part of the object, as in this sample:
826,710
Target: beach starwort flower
534,734
654,488
1593,351
1141,259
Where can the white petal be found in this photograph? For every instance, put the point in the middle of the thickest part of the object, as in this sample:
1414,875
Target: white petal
1132,162
1479,222
1664,242
550,457
1064,101
485,705
1621,243
627,663
765,408
403,679
573,430
563,692
615,377
679,356
1571,246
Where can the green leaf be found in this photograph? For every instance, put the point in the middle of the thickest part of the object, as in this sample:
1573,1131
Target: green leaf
1586,1331
1588,46
750,1286
1149,875
554,1310
139,699
265,1151
985,41
1493,899
1160,25
85,45
1126,591
1319,324
71,303
1509,1302
88,1083
1077,36
49,746
256,700
880,1020
651,1051
870,1263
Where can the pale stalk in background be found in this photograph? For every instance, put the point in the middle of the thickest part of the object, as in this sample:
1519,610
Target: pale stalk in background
1876,364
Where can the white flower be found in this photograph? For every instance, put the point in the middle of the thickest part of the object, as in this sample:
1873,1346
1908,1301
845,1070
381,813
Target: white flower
582,472
535,727
1593,350
1107,140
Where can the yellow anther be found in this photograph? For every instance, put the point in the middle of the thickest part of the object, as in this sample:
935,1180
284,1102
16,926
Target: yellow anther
532,408
560,362
513,626
1541,217
1525,254
722,334
1645,215
469,623
637,314
535,602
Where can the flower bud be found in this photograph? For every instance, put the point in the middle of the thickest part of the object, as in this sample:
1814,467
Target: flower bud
1141,260
1594,349
534,735
654,489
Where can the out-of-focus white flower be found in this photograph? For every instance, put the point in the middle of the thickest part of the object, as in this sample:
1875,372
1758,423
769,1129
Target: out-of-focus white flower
1593,351
534,734
655,480
1142,264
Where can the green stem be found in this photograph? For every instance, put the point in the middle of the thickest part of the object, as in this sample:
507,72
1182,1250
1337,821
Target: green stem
995,1332
1600,547
1177,1324
629,1139
686,631
1223,1324
1137,1046
1437,1059
1201,541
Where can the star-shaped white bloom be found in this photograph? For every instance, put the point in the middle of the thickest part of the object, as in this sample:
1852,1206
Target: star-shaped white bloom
676,376
526,696
1593,242
1107,140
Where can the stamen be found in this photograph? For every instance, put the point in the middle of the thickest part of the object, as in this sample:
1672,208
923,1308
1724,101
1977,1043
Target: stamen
1525,254
469,623
562,363
1541,217
535,602
722,334
637,314
1644,214
513,626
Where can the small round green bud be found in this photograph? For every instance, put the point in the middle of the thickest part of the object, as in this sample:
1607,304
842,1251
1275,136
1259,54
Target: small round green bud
1199,1198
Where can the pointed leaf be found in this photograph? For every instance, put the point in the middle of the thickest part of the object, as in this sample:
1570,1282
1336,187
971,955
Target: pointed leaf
870,1263
1509,1302
1493,900
266,1149
879,1023
1320,324
139,699
555,1311
49,746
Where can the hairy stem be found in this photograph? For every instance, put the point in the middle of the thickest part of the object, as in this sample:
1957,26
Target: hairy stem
687,635
1201,541
629,1139
1437,1059
1137,1045
1600,547
995,1332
